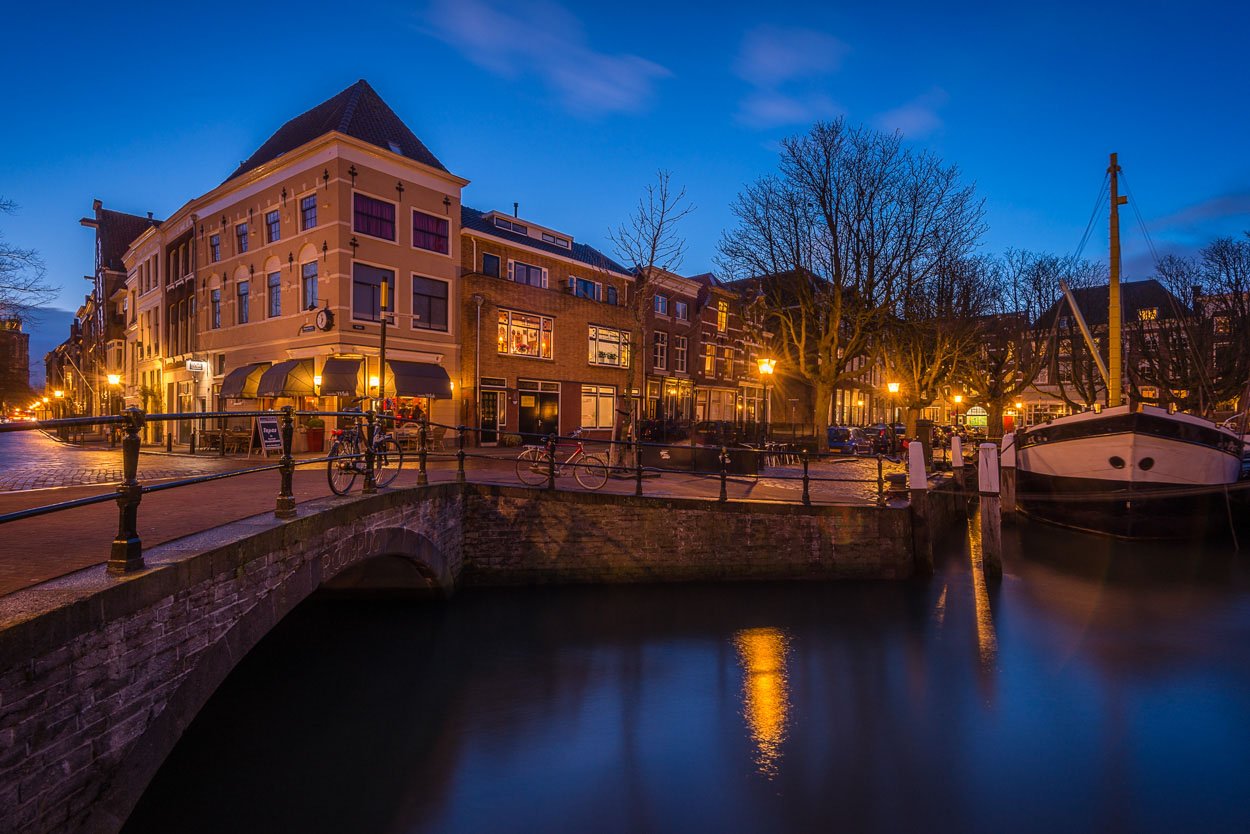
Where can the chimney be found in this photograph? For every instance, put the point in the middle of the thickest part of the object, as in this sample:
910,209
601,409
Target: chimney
149,215
515,208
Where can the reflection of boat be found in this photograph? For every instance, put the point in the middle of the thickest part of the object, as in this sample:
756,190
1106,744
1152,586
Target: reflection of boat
1124,471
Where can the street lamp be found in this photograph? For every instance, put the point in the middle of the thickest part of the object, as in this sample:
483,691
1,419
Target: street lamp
767,365
60,411
115,381
1019,414
958,398
892,387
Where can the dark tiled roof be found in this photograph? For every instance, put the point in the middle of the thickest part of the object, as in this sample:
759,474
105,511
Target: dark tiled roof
475,220
359,112
1095,303
116,231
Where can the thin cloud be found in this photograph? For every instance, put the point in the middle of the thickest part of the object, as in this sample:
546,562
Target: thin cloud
549,42
1234,204
917,118
785,68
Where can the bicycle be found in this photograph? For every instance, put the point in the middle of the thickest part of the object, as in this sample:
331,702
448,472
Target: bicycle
533,465
347,457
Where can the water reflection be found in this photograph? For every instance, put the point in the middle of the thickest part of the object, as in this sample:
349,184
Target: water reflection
987,639
765,696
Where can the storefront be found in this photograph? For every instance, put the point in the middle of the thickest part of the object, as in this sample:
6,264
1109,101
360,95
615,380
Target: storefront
718,404
538,408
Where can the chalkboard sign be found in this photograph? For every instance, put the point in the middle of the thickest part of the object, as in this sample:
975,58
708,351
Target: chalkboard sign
270,433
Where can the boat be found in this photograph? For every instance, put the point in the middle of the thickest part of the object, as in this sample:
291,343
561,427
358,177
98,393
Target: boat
1131,471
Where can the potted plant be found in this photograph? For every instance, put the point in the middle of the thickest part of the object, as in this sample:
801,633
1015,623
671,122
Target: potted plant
315,429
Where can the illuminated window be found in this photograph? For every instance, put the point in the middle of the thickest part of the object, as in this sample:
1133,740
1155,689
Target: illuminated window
1148,314
609,347
722,316
523,334
598,406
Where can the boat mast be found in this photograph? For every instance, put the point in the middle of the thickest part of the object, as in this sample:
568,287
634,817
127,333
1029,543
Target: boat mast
1114,386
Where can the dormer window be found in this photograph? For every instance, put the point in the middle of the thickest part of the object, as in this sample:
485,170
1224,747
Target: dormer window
504,223
558,241
1148,314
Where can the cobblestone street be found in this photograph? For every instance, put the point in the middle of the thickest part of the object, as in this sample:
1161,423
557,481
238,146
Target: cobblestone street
32,460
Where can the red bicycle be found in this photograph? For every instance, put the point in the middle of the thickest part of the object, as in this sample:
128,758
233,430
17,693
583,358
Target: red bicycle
534,464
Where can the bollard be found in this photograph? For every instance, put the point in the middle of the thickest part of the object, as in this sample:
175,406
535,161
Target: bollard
193,434
221,435
460,430
1008,474
127,552
807,496
371,481
422,434
724,473
285,507
921,518
880,481
638,475
169,438
957,470
991,515
551,461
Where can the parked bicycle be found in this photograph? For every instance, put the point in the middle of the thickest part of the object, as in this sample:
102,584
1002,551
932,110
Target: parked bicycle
347,456
534,464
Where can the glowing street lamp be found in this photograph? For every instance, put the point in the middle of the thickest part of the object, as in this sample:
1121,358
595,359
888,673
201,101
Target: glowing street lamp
958,398
892,387
767,365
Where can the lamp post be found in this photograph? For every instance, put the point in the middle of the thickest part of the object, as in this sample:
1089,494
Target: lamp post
767,365
958,398
115,381
60,411
1019,415
892,387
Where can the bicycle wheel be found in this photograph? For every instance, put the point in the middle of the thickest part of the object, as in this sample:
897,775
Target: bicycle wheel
591,472
388,459
531,467
341,468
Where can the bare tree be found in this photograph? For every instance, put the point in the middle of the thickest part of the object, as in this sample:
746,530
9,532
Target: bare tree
23,289
648,242
852,224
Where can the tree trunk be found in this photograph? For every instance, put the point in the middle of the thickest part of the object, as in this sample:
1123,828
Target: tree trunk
822,396
994,424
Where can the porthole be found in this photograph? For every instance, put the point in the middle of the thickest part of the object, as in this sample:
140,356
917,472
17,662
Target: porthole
1145,463
1116,461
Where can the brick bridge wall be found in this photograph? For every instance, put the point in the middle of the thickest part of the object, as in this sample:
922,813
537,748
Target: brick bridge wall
99,675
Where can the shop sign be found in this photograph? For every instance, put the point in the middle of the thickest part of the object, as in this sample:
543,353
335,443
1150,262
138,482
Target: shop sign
270,435
197,366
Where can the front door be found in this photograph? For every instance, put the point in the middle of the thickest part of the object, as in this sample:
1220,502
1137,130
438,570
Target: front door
539,414
492,414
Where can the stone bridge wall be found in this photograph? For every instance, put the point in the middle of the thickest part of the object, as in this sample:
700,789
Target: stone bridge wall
100,675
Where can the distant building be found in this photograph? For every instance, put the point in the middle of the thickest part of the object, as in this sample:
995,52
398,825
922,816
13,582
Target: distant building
14,365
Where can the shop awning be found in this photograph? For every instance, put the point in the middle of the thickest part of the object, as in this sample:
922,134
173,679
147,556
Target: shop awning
340,377
419,379
292,378
240,384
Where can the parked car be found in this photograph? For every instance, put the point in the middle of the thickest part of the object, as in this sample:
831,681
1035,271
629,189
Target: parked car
881,440
848,440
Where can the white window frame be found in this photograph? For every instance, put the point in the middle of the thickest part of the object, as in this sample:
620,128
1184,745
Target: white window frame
541,319
681,310
660,301
604,399
512,272
680,346
351,223
299,210
625,352
659,351
351,283
413,316
450,233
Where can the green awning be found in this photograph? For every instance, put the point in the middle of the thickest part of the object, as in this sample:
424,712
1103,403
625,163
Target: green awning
418,379
340,377
241,383
292,378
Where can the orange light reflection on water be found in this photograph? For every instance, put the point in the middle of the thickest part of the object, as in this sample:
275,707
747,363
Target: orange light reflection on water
765,693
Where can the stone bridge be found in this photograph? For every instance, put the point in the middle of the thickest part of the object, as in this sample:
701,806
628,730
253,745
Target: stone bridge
100,675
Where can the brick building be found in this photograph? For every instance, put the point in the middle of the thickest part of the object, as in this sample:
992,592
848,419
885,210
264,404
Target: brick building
547,337
14,365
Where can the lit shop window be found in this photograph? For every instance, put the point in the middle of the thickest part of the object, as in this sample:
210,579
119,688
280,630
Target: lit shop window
522,334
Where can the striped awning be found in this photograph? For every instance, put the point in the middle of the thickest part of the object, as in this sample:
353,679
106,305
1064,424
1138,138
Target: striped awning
241,383
292,378
340,377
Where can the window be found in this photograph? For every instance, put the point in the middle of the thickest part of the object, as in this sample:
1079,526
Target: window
214,248
661,305
240,237
609,347
308,276
598,406
583,288
558,241
372,217
503,223
722,316
659,354
522,334
367,291
1148,314
490,265
430,232
273,227
679,354
242,311
681,310
215,304
308,212
611,295
522,273
429,303
728,370
274,283
709,360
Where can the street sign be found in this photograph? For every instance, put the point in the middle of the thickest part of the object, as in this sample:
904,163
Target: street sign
197,366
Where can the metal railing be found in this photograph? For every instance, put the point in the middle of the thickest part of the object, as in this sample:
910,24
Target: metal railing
126,554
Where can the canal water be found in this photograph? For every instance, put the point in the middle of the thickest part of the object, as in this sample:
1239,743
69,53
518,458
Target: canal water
1098,687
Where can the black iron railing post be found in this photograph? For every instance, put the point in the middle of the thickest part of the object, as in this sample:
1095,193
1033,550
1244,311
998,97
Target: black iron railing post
127,552
285,507
551,461
169,438
221,434
371,483
638,473
880,481
423,434
807,496
724,473
460,430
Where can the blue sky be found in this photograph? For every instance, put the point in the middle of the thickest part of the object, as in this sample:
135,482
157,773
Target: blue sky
570,109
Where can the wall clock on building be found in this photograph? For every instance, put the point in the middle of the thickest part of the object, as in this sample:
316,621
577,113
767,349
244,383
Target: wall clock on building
325,319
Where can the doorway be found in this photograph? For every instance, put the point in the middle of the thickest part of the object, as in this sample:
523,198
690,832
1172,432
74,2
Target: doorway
538,414
493,416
